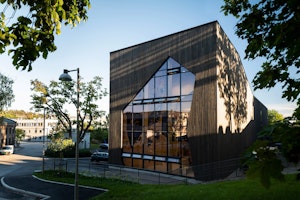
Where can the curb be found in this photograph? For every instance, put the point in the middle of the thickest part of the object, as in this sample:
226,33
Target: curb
23,192
68,184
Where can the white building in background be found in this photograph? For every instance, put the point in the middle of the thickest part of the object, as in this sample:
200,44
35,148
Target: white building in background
85,143
34,128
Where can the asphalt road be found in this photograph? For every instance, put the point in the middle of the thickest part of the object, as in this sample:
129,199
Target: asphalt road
24,161
16,172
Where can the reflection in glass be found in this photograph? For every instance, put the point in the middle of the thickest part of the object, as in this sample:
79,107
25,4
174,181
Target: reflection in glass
160,86
149,89
155,122
172,63
187,83
174,85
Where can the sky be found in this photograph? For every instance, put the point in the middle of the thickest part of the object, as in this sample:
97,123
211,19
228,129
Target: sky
117,24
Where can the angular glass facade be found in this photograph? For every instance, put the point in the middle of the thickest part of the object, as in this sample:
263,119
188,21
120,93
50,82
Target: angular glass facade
155,121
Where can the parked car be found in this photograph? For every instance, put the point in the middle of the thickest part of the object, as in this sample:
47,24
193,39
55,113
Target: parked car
8,149
99,156
103,147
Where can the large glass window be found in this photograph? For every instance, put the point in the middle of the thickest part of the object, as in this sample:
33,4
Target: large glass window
155,121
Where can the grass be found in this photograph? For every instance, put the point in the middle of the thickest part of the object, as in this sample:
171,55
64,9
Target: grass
239,189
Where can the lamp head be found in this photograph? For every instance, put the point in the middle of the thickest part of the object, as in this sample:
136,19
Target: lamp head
65,76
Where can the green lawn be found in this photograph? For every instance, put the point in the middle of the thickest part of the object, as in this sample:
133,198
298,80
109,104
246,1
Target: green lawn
241,189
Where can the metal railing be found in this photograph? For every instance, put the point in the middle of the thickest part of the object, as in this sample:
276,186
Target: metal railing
221,170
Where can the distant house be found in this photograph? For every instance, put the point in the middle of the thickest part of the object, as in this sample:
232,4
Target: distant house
7,131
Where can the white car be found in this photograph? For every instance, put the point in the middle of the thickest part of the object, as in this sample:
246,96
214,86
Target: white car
8,149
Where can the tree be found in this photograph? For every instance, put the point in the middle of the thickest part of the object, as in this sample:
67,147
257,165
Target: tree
274,116
278,141
32,33
20,134
271,29
6,92
100,132
58,95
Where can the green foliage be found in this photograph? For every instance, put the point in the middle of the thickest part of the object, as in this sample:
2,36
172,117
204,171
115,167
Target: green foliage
57,95
20,134
100,131
271,29
263,162
32,35
99,135
274,116
6,92
14,114
264,157
59,147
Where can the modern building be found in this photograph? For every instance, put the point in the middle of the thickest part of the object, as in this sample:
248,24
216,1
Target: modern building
182,104
7,132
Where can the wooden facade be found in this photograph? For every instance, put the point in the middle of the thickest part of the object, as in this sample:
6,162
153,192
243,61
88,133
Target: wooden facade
217,132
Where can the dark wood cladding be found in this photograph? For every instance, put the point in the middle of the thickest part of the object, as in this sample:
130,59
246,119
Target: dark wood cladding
198,50
132,67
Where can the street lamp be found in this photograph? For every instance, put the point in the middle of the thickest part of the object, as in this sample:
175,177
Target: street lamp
44,129
66,77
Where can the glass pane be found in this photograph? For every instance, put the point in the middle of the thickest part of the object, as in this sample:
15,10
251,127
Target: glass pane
161,73
161,86
161,144
172,63
187,98
175,107
173,146
161,166
164,66
137,117
127,121
149,142
140,95
186,107
149,164
126,142
137,142
174,85
147,117
187,83
137,163
127,161
149,89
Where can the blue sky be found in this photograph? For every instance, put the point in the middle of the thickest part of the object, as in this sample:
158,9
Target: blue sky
116,24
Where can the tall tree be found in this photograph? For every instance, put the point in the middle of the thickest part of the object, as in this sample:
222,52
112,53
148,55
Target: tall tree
6,92
57,96
271,28
33,31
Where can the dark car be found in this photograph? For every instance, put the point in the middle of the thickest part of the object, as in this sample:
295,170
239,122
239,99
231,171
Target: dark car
99,156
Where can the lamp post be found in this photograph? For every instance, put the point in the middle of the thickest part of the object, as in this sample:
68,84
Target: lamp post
66,77
44,129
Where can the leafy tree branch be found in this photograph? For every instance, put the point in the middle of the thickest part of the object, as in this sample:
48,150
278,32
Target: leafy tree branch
58,95
32,35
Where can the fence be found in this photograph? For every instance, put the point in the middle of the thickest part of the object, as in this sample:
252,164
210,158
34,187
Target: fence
103,169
